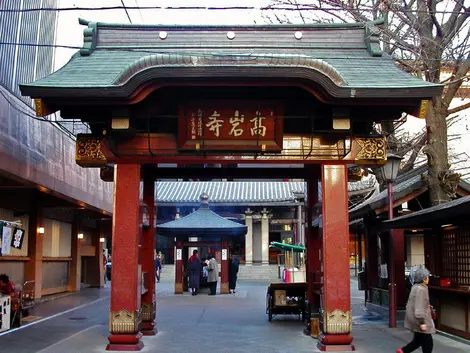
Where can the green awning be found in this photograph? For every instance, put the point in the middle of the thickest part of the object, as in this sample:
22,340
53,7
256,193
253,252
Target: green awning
287,247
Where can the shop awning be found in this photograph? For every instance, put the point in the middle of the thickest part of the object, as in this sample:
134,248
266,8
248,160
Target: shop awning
287,247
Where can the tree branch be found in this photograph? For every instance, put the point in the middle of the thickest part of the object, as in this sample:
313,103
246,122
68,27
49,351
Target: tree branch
461,69
415,153
455,22
432,12
458,109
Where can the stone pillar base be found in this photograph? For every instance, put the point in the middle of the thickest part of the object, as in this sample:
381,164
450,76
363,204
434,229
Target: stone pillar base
335,343
224,288
123,343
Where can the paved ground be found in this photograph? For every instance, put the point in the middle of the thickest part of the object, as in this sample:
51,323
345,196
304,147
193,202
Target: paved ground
228,323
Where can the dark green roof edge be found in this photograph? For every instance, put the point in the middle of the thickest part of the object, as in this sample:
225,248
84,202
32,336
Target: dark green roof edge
261,26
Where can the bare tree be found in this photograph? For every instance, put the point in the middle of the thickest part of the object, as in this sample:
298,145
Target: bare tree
428,38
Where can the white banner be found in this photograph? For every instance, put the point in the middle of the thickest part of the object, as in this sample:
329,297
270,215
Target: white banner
6,240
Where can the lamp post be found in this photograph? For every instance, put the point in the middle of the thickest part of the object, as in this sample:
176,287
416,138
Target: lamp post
389,172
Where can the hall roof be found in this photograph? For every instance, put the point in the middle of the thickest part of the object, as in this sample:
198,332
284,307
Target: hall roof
345,59
456,210
406,184
202,222
241,192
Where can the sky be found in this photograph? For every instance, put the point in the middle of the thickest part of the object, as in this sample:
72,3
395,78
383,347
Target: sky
71,33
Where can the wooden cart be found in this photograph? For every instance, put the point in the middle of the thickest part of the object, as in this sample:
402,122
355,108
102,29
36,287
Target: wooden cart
286,299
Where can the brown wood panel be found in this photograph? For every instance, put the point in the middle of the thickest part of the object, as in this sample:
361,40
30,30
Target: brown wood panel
87,250
14,258
455,255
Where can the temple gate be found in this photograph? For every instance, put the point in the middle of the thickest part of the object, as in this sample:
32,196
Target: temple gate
222,96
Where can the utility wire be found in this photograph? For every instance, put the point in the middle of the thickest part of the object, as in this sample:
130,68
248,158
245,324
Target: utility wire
57,124
221,8
127,12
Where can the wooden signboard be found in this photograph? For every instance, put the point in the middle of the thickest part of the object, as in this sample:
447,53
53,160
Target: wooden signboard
230,125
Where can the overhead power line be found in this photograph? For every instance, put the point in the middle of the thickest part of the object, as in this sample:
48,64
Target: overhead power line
218,8
127,12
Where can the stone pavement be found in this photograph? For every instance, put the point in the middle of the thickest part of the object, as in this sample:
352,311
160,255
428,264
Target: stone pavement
224,323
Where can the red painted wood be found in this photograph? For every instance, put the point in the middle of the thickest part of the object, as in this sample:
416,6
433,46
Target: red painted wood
399,246
148,251
335,254
224,268
312,238
178,268
125,284
136,150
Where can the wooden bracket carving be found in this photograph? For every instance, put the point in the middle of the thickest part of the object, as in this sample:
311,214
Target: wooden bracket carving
89,151
355,173
372,149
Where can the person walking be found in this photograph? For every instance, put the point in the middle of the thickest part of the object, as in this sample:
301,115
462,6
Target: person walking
418,317
212,278
158,268
233,273
194,271
105,261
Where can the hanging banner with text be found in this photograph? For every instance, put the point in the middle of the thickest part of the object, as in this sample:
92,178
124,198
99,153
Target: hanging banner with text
230,125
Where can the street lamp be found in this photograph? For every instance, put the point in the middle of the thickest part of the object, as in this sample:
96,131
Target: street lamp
389,172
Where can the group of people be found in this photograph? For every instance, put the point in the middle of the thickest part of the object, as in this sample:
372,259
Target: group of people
210,270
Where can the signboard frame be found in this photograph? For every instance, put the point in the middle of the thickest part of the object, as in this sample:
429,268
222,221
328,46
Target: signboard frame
210,125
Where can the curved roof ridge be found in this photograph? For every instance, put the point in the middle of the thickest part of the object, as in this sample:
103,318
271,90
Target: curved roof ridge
207,60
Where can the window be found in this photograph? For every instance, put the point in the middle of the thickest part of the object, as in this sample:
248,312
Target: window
456,256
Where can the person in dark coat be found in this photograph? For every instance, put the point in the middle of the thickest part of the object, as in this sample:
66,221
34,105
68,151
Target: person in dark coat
194,272
233,273
158,268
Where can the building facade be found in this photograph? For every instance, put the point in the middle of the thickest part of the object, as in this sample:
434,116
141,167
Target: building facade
64,210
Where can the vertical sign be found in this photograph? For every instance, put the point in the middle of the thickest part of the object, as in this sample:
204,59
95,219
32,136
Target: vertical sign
179,254
6,240
224,254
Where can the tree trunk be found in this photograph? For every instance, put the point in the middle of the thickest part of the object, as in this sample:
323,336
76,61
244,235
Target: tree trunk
436,151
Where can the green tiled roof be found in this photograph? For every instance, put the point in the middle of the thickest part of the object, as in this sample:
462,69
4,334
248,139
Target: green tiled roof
345,59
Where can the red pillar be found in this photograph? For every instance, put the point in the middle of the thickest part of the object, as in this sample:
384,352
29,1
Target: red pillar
224,287
399,246
336,320
125,315
148,261
179,267
313,243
